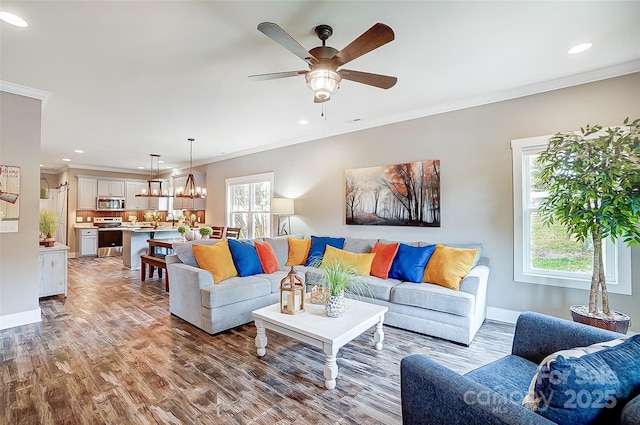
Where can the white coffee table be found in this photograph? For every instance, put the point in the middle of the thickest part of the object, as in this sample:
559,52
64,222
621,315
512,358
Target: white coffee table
315,328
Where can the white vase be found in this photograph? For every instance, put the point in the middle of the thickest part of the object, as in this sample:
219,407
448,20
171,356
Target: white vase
335,305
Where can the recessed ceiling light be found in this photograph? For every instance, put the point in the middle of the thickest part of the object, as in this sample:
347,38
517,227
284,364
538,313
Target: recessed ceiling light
160,161
579,48
303,122
12,19
42,165
140,168
66,159
79,151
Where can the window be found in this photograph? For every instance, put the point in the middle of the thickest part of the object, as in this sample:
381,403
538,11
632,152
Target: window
249,203
547,255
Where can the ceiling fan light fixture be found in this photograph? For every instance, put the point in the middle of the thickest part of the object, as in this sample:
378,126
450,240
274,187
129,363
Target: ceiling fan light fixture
323,82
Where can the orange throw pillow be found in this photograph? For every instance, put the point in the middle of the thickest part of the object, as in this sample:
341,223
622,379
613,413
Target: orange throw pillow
298,251
448,266
267,257
216,259
385,253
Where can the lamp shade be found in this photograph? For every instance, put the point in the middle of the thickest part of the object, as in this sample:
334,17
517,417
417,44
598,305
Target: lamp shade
282,206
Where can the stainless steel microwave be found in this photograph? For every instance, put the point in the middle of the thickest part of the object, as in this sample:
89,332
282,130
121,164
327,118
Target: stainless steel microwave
109,203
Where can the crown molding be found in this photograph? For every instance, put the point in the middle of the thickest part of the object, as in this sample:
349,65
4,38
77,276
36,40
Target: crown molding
13,88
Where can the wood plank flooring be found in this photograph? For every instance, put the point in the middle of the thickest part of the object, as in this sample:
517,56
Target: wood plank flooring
111,353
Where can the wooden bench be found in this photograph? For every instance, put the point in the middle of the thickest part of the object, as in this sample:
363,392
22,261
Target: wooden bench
156,260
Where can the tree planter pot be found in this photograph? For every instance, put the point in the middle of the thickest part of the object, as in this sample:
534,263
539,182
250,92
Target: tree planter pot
620,322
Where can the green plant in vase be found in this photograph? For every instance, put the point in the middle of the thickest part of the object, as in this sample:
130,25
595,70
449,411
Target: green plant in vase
48,226
206,232
592,182
340,277
182,230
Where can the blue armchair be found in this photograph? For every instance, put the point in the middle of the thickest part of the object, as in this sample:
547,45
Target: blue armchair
433,394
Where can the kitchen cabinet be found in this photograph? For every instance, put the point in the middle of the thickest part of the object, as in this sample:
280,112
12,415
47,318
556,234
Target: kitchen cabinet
179,181
87,193
110,188
134,187
53,270
87,242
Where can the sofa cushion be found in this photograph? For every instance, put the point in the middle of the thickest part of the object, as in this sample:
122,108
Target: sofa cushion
280,248
245,257
298,251
267,257
216,259
385,253
359,245
631,412
410,261
508,376
592,388
448,266
184,250
361,263
235,290
433,297
318,245
380,289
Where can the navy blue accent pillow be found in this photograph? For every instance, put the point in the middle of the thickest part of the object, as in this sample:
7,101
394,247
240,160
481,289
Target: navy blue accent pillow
318,244
245,257
591,389
410,261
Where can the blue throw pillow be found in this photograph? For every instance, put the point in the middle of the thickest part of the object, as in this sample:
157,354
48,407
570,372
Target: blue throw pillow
318,244
591,389
245,257
410,261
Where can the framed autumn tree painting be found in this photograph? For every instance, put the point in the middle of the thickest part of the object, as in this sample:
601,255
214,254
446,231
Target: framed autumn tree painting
394,195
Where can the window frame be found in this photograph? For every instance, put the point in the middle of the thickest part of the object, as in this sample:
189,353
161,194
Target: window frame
618,255
251,179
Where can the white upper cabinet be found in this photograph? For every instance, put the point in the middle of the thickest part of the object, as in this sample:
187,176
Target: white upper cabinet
87,193
111,188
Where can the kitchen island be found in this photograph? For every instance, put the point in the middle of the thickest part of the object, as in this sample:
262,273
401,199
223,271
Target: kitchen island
134,242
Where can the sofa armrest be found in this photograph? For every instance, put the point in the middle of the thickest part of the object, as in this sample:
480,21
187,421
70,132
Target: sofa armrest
433,394
477,278
538,335
185,299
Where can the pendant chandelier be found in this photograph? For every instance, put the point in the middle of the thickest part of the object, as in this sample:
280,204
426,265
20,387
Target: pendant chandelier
191,190
154,184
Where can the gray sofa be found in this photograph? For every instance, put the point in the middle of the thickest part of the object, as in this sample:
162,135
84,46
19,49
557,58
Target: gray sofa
492,394
425,308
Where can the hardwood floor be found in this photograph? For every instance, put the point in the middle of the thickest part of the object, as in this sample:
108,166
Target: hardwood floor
111,353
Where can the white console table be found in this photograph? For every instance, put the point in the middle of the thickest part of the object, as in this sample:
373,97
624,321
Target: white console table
53,270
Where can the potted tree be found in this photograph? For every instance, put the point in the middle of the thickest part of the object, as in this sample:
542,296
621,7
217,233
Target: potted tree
592,181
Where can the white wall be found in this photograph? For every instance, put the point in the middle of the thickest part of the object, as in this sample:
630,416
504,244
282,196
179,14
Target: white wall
473,146
20,146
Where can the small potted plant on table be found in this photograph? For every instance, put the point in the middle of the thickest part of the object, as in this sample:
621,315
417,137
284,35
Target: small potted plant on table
48,226
592,181
182,230
206,232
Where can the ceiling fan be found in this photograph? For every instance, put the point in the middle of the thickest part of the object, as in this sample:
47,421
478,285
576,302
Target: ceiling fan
323,76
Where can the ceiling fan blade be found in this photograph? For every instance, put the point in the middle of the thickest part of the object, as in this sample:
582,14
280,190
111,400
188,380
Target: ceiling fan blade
274,75
280,36
376,36
377,80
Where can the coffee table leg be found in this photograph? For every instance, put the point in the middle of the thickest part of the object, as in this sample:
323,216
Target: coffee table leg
330,366
378,336
261,338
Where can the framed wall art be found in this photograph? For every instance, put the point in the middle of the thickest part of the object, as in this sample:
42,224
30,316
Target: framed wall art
9,192
394,195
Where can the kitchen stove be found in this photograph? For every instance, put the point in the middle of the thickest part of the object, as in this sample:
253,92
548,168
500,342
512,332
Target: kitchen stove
109,236
104,222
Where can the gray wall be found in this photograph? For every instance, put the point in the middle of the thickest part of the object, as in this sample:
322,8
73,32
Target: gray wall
473,146
20,146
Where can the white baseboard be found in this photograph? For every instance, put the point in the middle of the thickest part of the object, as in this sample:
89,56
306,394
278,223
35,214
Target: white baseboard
502,315
18,319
